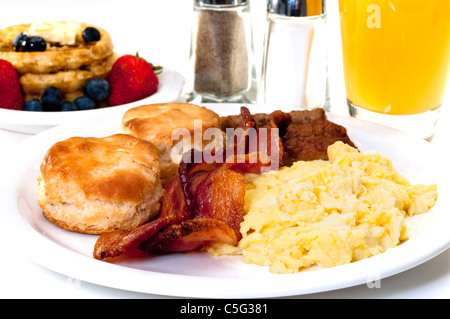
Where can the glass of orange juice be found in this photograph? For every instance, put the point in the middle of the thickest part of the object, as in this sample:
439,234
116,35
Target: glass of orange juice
396,56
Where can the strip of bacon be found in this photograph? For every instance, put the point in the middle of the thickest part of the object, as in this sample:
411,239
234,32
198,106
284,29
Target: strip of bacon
193,234
216,213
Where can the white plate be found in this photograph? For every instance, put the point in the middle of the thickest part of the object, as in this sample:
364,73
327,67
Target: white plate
169,89
202,275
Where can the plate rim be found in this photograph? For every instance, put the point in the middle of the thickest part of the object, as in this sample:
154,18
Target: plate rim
159,280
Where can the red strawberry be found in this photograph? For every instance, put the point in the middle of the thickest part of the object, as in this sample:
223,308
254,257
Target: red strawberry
10,94
131,78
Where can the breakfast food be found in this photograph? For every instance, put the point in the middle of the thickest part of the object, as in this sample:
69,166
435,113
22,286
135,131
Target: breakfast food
55,55
205,207
67,55
204,203
337,208
164,124
10,95
96,185
65,49
327,213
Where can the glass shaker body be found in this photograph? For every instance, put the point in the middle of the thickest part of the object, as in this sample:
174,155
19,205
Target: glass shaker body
221,54
295,61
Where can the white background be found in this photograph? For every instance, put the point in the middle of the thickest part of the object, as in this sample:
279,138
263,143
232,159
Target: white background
160,30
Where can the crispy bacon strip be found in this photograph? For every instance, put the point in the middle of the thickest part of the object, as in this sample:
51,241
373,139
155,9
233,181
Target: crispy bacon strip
217,211
193,234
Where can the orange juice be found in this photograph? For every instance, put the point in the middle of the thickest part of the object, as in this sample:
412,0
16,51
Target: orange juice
396,54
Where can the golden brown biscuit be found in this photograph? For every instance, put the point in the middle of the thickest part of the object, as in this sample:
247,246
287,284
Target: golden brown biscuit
96,185
165,125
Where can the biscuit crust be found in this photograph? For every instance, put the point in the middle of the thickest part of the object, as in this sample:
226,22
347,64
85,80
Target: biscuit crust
96,185
162,125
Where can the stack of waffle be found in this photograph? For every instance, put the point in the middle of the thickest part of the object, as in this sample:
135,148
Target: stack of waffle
67,62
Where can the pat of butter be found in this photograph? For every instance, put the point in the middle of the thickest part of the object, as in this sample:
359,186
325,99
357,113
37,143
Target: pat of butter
59,32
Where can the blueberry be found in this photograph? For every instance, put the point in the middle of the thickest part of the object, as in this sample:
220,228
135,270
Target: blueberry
52,99
68,106
85,103
91,34
24,43
18,40
35,44
97,89
33,105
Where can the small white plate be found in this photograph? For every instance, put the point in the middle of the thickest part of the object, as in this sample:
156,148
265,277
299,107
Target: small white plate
170,86
203,275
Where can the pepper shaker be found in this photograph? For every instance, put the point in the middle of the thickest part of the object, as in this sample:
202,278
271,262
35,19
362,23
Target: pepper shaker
295,71
221,51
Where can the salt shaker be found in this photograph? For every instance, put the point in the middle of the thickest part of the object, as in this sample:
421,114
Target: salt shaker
221,51
294,72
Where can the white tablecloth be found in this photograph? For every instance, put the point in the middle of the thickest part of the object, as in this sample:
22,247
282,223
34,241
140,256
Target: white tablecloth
160,31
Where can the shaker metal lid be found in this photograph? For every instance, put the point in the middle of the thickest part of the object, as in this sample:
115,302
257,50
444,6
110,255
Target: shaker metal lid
221,2
296,8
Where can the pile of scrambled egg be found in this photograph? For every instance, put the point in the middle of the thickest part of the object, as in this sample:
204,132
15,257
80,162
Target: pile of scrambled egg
327,213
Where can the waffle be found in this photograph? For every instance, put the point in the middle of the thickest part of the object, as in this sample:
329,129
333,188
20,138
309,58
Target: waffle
66,66
66,81
57,57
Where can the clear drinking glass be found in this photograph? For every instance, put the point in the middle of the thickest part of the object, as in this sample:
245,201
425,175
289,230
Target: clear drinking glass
396,57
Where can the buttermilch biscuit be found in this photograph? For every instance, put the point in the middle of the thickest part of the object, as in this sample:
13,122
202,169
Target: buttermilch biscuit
96,185
161,124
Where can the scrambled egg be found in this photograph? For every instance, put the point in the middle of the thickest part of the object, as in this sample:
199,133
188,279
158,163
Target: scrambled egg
327,213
